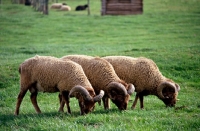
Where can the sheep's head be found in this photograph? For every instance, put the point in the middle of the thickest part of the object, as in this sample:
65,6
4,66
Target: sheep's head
86,6
86,101
119,95
86,106
168,92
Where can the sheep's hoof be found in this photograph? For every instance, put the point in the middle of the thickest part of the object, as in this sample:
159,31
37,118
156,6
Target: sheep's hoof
60,110
39,112
16,114
133,107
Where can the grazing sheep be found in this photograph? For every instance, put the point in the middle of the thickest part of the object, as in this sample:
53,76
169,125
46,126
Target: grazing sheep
81,7
57,5
50,74
103,77
65,8
146,77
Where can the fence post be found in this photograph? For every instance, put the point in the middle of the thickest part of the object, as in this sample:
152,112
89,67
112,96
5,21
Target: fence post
88,2
45,9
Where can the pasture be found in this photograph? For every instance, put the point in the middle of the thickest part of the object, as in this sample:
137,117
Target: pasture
167,32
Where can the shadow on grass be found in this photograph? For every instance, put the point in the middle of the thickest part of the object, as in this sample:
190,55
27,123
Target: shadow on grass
31,51
11,118
142,50
110,111
4,119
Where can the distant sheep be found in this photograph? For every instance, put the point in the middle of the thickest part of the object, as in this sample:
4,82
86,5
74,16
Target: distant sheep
50,74
65,8
146,77
81,7
103,77
57,5
27,2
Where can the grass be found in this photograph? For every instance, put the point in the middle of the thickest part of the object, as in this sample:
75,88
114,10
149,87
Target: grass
168,32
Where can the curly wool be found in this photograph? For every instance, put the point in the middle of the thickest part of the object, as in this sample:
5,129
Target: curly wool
51,73
99,72
142,72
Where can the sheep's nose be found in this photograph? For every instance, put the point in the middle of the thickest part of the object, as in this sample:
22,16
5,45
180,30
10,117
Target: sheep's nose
122,108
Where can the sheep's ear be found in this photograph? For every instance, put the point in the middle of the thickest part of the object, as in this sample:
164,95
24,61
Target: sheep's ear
131,89
177,87
91,93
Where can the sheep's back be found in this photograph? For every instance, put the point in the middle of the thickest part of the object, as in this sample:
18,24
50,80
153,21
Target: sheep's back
99,72
50,72
141,72
56,5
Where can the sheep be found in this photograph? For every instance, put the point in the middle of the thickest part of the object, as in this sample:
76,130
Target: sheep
57,5
103,77
27,3
146,77
50,74
65,8
81,7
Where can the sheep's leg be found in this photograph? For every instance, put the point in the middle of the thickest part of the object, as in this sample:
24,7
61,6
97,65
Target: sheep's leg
106,102
141,97
60,97
33,98
62,103
135,101
66,100
99,102
81,108
19,100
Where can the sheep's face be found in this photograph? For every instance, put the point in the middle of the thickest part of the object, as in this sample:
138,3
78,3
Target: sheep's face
121,101
87,107
169,93
170,99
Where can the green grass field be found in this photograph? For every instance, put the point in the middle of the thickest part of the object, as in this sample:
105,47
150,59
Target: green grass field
167,32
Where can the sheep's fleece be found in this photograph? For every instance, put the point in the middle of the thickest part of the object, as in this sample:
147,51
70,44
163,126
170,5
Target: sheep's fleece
146,77
101,74
50,74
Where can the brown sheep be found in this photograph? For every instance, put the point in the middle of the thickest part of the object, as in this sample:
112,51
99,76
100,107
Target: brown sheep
50,74
146,77
103,77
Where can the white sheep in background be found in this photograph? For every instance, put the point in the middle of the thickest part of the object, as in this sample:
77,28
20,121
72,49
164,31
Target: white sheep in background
57,5
146,77
65,8
50,74
103,77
